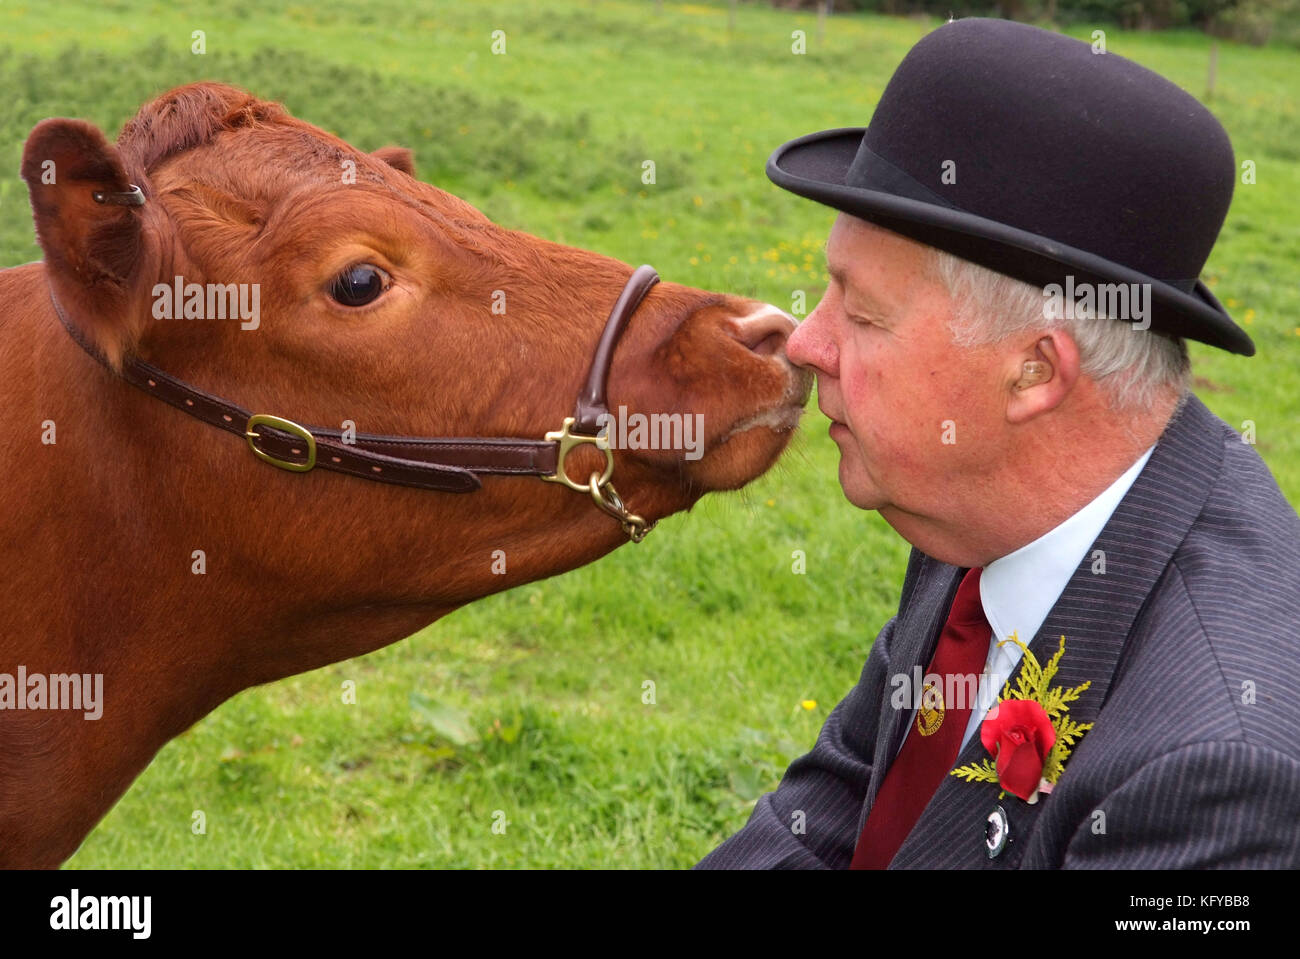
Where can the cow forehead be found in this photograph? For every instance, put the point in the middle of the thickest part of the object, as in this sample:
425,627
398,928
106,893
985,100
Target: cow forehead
293,195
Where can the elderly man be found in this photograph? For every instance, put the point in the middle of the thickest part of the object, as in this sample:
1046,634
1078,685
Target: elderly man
1013,273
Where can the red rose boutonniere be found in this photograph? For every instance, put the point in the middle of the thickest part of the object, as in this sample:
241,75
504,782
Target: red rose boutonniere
1028,733
1018,734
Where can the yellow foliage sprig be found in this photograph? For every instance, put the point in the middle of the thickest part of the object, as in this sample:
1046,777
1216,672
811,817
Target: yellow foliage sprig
1034,682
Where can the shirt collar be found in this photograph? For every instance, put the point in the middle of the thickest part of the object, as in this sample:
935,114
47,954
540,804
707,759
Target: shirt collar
1020,589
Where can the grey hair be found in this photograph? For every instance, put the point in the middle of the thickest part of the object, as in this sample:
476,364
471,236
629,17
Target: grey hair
1133,371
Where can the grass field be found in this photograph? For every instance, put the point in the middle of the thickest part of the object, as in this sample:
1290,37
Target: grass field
530,703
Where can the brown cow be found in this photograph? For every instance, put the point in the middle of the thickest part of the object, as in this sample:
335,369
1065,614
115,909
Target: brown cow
377,296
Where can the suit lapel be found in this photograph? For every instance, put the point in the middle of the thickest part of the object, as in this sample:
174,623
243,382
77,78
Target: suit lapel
915,635
1095,613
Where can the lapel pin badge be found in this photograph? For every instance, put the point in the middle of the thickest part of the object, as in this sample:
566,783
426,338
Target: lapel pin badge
997,832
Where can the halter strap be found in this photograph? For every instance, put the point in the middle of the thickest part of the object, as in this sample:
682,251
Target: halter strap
445,464
591,401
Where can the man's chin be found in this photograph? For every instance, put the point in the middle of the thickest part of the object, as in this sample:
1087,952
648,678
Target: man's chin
867,502
855,483
860,494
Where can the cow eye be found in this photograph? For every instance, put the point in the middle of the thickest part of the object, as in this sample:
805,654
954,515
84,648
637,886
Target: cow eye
359,284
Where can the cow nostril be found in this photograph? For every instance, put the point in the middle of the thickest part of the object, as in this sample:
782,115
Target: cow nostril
770,345
765,330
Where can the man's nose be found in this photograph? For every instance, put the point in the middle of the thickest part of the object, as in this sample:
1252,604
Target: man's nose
807,347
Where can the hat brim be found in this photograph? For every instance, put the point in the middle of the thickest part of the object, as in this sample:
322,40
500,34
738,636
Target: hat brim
815,166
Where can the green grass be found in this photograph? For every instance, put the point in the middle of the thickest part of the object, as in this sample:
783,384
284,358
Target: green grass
530,702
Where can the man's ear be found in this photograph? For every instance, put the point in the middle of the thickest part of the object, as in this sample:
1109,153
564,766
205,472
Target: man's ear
399,158
95,250
1041,376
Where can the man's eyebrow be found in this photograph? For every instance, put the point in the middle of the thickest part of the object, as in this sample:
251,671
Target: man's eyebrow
840,276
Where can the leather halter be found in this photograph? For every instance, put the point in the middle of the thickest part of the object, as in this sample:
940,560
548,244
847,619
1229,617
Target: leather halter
446,464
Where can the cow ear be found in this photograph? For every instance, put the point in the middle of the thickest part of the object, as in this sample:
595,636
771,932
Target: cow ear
92,235
399,158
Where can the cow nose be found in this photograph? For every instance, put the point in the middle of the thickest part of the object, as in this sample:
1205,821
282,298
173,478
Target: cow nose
764,330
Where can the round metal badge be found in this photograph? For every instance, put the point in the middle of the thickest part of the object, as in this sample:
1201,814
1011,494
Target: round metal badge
997,832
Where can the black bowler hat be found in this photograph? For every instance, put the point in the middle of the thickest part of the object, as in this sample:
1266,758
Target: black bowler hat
1063,162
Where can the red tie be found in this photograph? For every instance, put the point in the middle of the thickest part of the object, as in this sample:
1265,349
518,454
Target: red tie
935,740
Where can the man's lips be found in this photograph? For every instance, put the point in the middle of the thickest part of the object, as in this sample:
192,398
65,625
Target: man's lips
836,425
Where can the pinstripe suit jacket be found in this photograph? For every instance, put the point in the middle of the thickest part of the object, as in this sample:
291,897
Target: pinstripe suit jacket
1191,639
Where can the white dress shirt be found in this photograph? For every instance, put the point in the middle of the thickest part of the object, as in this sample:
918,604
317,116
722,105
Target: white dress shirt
1018,590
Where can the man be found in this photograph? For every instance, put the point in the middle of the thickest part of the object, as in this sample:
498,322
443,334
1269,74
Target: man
1001,353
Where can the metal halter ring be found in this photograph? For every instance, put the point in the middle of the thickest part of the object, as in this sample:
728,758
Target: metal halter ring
568,440
607,498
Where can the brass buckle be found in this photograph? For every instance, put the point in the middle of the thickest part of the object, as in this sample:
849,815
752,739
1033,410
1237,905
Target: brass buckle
288,426
568,441
598,485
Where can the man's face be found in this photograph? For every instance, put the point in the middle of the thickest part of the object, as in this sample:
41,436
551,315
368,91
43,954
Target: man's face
894,384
